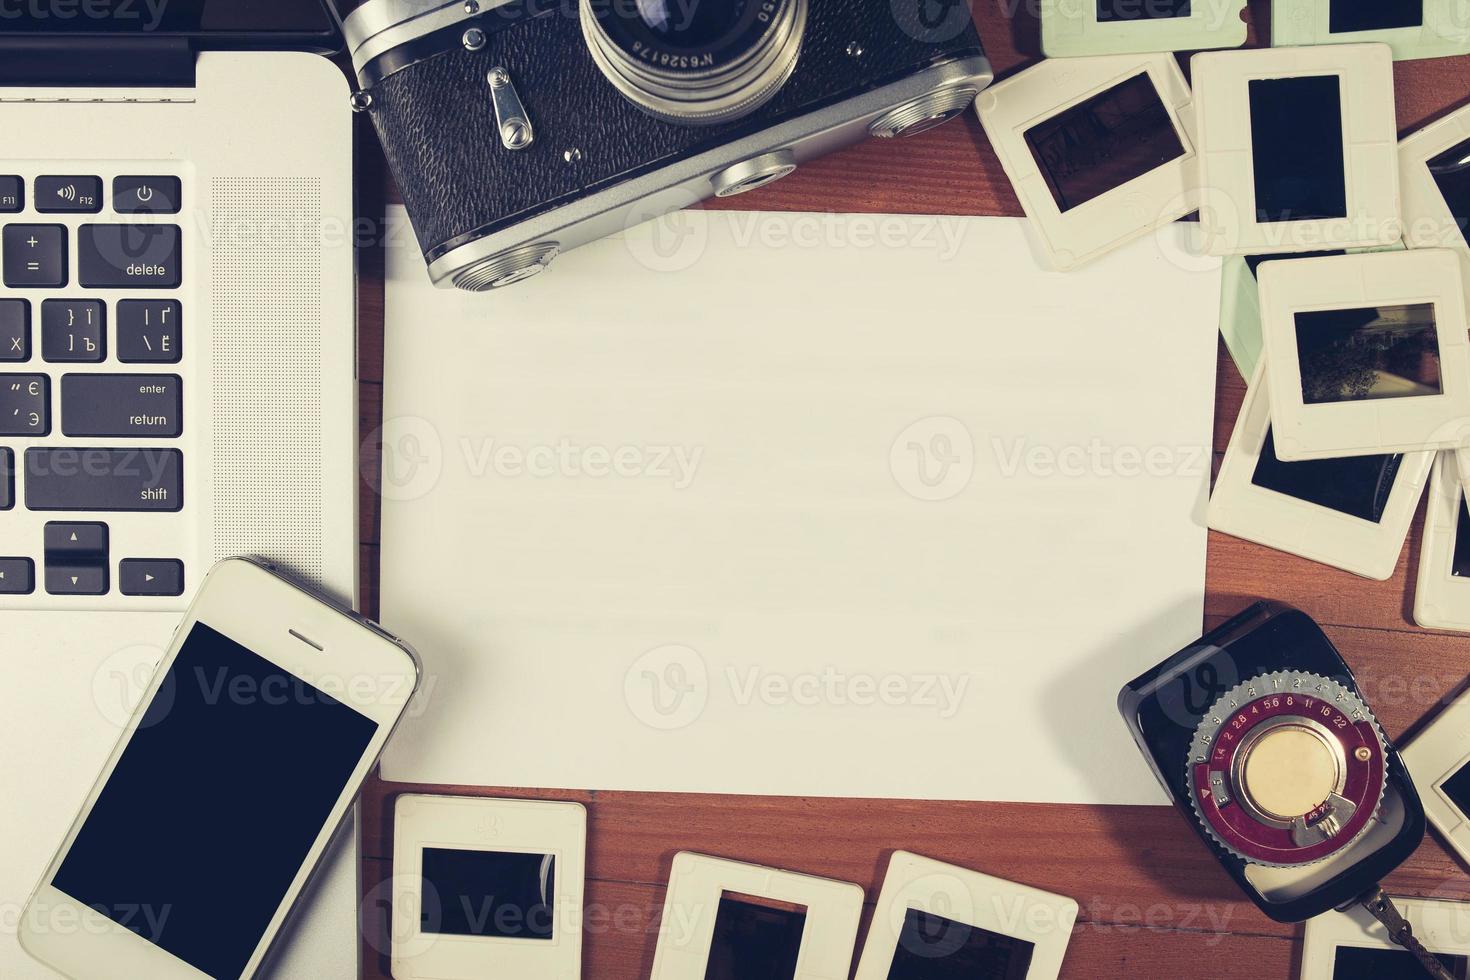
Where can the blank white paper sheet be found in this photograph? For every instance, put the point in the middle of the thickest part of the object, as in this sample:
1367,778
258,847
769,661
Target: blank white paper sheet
797,504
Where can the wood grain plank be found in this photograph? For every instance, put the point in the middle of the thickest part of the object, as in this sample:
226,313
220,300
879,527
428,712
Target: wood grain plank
1154,904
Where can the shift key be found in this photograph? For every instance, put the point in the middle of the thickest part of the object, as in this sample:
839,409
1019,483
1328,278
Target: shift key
128,256
129,406
104,479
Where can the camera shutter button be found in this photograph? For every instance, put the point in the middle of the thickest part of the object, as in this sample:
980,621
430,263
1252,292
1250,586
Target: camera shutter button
755,172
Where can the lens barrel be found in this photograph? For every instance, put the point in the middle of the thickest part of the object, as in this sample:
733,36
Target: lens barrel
696,62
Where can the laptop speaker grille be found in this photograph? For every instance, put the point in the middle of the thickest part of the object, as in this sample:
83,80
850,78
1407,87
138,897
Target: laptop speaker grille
266,239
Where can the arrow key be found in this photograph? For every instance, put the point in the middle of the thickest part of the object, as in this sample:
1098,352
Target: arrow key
151,576
83,579
67,542
76,558
17,576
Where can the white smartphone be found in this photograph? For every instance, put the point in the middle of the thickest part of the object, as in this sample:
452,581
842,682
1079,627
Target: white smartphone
229,781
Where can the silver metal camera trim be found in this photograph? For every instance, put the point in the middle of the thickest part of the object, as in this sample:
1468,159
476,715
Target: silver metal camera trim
688,181
379,26
707,98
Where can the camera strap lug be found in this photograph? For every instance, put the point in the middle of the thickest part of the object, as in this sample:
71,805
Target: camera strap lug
516,131
1381,907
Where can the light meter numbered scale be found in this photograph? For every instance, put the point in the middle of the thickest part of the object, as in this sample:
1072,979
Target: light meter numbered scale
1287,769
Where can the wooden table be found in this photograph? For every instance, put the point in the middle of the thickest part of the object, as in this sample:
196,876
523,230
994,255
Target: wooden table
1153,902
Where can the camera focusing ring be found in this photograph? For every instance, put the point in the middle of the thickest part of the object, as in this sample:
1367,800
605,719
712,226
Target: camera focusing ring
714,81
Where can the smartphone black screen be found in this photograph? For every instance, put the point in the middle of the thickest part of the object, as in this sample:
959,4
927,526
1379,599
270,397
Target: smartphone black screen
214,804
488,893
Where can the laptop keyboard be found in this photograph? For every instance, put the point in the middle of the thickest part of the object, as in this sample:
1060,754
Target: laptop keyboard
92,310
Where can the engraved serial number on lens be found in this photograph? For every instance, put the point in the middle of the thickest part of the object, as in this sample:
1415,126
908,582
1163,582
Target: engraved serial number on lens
665,60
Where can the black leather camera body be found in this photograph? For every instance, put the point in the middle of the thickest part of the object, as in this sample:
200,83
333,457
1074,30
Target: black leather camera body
1259,733
522,129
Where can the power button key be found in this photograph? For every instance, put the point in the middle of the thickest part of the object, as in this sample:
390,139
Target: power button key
145,195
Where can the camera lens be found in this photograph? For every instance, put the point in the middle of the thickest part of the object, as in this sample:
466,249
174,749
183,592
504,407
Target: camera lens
705,25
697,62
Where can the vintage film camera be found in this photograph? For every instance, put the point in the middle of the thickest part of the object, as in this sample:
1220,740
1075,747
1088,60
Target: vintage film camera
520,129
1259,733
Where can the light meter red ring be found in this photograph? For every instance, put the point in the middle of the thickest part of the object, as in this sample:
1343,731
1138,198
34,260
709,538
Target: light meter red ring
1344,746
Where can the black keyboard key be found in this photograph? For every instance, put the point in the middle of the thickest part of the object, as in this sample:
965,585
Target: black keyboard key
15,330
128,256
145,195
73,330
149,331
12,194
151,576
7,479
104,479
140,406
68,195
76,558
17,576
34,256
74,542
25,405
85,579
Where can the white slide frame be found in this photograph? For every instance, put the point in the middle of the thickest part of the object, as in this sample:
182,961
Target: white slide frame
423,821
1428,219
971,899
1439,925
1444,32
1437,753
1370,149
1242,509
1358,427
1070,28
1441,598
696,883
1009,109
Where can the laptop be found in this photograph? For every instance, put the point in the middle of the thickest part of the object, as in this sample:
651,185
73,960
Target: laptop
177,376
